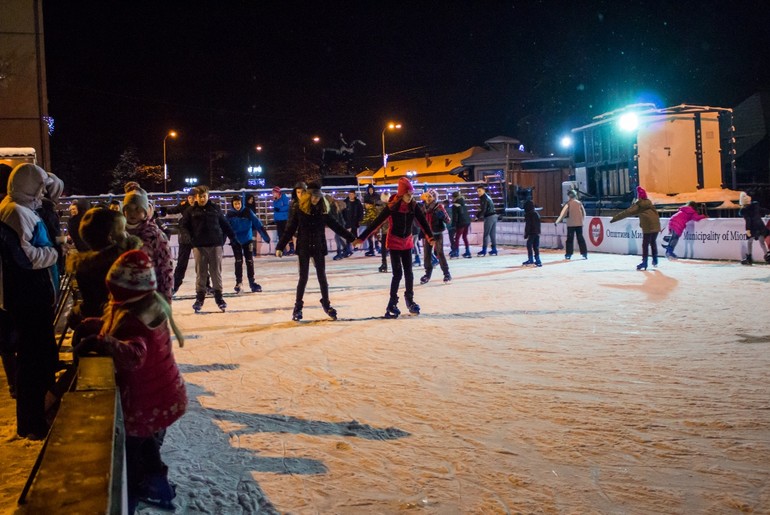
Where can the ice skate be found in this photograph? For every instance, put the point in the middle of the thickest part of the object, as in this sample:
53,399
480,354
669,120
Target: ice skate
655,261
493,252
392,310
383,268
528,262
537,262
467,254
482,252
221,304
157,490
413,307
328,309
670,254
255,288
297,313
369,253
424,279
447,278
642,266
238,288
567,256
198,304
747,261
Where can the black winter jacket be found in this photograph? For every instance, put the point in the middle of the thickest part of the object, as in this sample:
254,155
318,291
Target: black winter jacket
531,220
311,230
207,225
460,216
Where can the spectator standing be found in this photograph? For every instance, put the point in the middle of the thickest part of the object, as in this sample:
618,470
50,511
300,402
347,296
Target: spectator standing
575,214
649,221
309,221
244,223
77,209
207,227
488,214
401,213
353,213
532,234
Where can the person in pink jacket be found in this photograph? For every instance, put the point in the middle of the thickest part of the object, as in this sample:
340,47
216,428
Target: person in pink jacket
136,331
677,224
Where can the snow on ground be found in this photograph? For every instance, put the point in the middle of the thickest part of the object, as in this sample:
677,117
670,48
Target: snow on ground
578,387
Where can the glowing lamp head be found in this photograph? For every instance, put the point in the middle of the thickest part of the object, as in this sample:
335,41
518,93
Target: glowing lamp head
566,142
629,122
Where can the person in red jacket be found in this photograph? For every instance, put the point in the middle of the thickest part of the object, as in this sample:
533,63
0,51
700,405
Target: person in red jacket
136,331
400,212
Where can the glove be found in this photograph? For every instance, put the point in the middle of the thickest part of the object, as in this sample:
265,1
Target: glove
556,224
278,253
748,233
93,344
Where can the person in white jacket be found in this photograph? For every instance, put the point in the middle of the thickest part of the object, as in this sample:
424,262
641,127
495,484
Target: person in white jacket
575,213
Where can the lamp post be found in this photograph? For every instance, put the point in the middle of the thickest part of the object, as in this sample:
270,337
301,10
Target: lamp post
391,126
314,139
165,167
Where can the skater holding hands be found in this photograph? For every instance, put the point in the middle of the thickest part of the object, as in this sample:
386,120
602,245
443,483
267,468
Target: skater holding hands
400,212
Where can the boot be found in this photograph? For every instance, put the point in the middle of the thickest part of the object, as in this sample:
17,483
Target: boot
447,277
642,265
238,288
157,490
529,261
425,278
392,310
338,256
412,306
417,261
467,254
369,253
198,304
493,252
290,252
255,288
748,261
328,309
297,314
383,267
221,304
670,254
483,252
654,260
537,261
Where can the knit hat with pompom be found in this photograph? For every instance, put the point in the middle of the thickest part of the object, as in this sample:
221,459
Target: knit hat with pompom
131,277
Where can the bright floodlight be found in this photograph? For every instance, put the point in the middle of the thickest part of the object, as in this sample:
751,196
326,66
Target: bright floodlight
629,122
566,142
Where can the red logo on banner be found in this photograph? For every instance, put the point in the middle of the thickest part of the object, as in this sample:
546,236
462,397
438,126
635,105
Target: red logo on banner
596,231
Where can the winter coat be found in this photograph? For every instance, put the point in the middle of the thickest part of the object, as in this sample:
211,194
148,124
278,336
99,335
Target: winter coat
401,217
244,223
73,225
152,391
281,208
752,214
207,225
29,275
309,223
183,238
155,245
90,270
371,196
486,207
531,220
460,216
574,212
437,217
649,220
679,220
353,213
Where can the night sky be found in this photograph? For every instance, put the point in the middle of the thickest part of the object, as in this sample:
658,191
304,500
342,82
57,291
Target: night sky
228,75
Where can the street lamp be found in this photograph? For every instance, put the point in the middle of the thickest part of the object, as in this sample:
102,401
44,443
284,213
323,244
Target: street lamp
165,167
391,126
314,139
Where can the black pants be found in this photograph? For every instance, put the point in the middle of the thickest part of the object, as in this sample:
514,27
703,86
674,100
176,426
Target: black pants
401,263
241,252
182,259
649,241
319,261
438,249
577,232
533,247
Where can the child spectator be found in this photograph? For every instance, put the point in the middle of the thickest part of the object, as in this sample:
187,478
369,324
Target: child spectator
677,224
136,209
437,218
752,214
400,212
575,213
461,221
532,234
309,222
649,221
244,223
136,331
207,227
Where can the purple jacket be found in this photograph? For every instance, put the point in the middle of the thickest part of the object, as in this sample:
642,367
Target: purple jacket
678,222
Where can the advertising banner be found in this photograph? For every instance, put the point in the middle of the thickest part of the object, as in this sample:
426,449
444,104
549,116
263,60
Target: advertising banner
712,238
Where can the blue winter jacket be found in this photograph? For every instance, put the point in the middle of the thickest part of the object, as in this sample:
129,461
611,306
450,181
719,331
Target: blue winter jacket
281,208
244,223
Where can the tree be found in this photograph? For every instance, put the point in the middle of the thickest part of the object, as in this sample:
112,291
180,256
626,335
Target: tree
129,169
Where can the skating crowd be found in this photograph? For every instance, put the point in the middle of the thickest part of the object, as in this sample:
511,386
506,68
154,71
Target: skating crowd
121,263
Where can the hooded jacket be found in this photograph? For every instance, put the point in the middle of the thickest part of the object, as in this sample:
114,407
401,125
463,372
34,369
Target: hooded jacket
309,222
281,208
752,214
437,217
679,220
531,220
460,216
244,223
649,220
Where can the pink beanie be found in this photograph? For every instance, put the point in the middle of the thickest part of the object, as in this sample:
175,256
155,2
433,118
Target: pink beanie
404,186
640,192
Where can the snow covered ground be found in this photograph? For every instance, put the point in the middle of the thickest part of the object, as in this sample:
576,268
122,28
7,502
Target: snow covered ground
583,386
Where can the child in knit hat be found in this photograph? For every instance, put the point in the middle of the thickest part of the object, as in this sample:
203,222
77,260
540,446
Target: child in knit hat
401,212
136,331
437,218
155,242
649,221
752,214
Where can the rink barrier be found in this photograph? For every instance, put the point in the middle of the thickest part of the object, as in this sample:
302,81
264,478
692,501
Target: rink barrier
81,467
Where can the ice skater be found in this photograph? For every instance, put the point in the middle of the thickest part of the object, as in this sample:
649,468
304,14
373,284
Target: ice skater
649,221
752,214
244,223
309,221
437,218
400,212
532,234
677,224
575,213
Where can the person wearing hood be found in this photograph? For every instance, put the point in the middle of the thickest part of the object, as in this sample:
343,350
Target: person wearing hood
437,218
532,234
752,214
77,209
29,281
649,221
400,213
677,224
244,222
309,221
461,221
139,223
